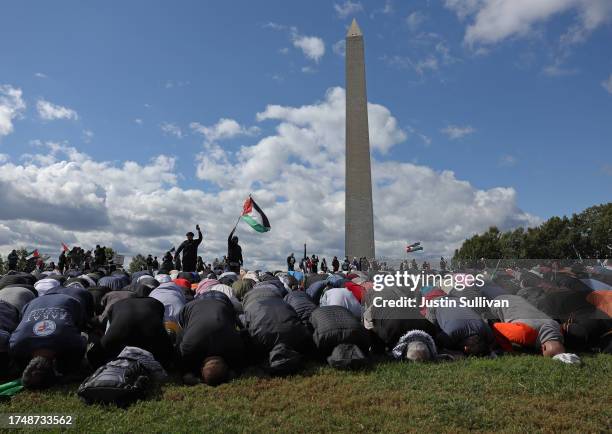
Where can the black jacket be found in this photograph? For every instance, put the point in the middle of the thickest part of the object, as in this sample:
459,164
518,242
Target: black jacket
270,321
209,329
190,249
234,251
137,322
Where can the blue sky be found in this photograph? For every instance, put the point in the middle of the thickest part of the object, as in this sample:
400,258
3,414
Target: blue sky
521,103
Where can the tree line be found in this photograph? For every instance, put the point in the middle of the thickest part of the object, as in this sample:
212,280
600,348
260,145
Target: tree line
587,235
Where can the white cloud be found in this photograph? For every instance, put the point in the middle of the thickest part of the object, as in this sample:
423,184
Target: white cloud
415,19
431,55
274,26
340,48
496,20
607,84
421,67
87,135
296,174
172,129
313,47
49,111
388,9
224,129
508,160
308,70
464,8
424,138
557,70
457,132
40,75
12,106
138,121
348,8
430,63
170,84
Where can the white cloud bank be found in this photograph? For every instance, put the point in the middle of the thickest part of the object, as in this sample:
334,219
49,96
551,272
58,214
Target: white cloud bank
313,47
11,107
171,129
296,174
607,84
348,8
223,129
455,132
50,112
492,21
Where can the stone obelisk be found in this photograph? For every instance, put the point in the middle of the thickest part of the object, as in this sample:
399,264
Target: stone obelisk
359,213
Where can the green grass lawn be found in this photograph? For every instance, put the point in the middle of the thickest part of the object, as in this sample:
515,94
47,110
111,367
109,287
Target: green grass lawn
517,394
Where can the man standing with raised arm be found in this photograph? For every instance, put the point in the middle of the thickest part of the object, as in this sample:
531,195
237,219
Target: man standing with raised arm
189,247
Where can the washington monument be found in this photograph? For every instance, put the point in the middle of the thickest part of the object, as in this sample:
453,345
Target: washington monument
359,214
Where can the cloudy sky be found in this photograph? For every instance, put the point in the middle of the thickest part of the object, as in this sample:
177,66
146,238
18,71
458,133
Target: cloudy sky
126,123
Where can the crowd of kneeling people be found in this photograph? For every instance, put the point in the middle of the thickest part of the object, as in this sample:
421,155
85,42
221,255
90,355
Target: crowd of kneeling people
208,328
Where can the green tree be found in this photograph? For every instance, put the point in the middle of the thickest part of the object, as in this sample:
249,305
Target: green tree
3,266
22,263
587,235
110,253
486,245
139,262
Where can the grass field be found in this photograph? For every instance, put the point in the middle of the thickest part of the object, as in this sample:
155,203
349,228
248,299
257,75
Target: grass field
512,394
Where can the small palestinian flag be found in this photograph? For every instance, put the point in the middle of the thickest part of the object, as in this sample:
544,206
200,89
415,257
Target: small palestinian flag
254,216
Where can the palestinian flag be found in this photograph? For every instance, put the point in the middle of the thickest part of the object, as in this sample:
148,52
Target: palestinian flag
254,216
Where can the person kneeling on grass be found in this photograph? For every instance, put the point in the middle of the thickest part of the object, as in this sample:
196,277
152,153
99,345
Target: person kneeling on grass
172,297
275,330
415,346
48,339
135,322
462,328
524,325
210,342
340,337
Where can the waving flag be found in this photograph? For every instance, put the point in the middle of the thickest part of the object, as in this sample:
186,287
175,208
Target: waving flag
65,247
415,247
254,216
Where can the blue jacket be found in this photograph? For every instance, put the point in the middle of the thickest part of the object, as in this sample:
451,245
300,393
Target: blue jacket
50,322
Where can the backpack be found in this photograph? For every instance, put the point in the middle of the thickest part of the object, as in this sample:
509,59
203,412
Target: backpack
283,360
347,356
122,381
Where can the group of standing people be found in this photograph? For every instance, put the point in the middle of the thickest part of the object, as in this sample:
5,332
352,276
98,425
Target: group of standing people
185,257
79,259
76,258
413,266
311,264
